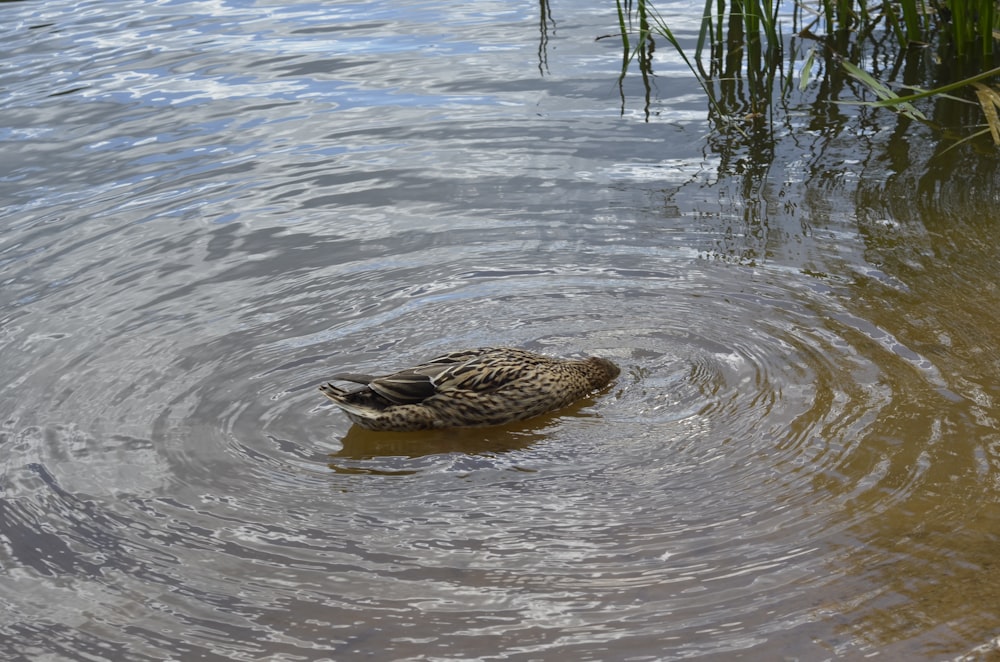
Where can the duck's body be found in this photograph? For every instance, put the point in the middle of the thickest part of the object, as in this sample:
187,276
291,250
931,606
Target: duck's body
476,387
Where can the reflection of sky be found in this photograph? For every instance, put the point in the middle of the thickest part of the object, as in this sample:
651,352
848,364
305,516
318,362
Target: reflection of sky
181,103
214,50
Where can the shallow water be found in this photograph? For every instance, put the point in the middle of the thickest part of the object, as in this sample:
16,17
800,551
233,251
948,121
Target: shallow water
208,208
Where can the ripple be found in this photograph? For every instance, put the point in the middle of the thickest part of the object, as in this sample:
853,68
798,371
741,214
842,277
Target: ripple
708,483
180,275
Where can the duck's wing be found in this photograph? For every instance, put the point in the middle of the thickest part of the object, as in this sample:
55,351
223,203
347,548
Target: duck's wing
420,382
457,358
404,387
489,371
355,377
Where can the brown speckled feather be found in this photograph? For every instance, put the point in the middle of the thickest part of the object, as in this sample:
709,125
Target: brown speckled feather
485,386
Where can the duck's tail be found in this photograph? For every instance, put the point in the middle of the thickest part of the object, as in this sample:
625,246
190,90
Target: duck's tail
334,393
355,405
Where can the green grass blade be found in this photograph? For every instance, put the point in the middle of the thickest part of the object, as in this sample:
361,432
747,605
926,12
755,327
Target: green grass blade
626,48
886,96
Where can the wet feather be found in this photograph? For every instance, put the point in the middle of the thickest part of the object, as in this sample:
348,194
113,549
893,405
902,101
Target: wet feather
470,388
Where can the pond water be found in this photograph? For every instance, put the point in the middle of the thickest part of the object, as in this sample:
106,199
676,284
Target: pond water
210,207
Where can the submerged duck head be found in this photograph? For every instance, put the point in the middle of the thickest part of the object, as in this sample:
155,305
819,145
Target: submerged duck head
602,372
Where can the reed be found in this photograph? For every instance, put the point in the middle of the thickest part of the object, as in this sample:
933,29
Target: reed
743,60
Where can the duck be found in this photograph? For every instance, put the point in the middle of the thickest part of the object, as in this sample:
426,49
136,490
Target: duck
469,388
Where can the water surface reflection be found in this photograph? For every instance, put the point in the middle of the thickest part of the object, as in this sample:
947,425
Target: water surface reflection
218,211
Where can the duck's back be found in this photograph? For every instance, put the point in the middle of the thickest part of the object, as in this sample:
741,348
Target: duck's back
485,386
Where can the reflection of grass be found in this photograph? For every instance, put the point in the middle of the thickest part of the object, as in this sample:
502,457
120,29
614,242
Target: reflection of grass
745,63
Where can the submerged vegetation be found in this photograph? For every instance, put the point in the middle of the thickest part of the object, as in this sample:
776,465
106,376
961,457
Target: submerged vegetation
750,56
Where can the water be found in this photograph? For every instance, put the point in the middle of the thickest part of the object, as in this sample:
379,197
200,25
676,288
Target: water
210,208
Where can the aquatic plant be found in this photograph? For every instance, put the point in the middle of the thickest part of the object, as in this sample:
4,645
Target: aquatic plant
746,62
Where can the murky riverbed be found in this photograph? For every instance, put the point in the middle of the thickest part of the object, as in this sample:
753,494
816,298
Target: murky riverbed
208,208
